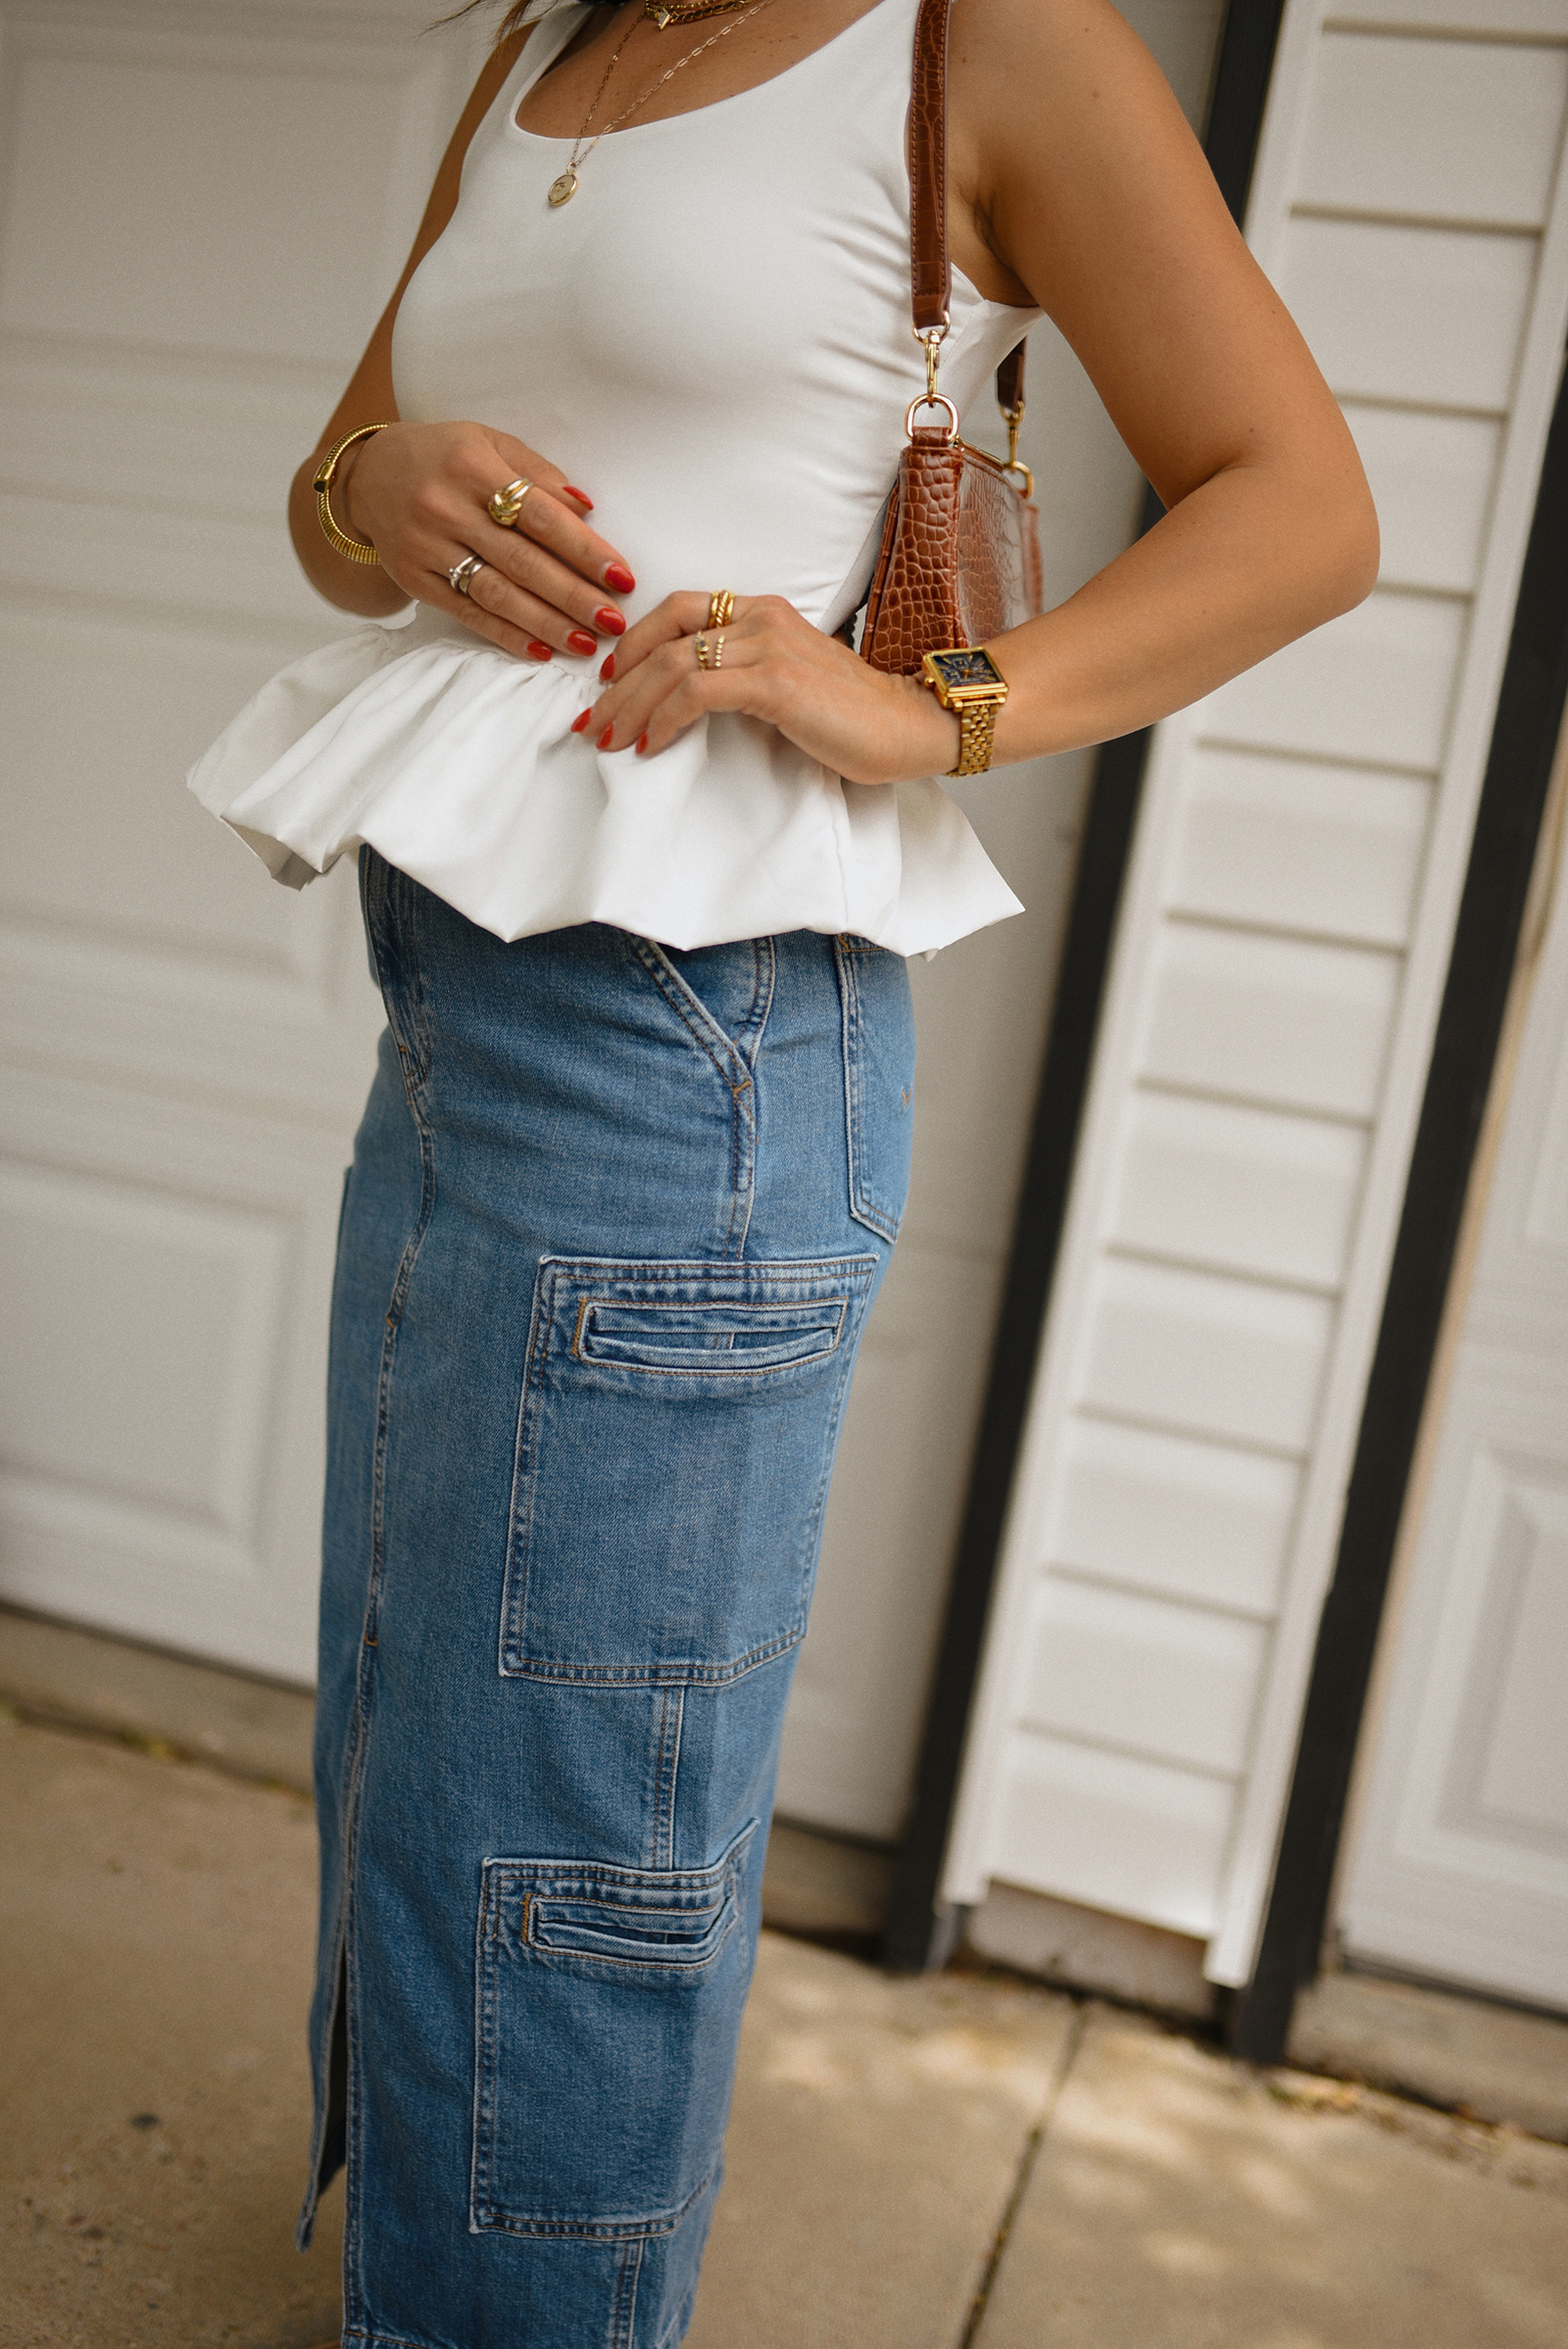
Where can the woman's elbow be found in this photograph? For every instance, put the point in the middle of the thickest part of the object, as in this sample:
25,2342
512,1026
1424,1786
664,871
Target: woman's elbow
1322,524
1339,543
1352,551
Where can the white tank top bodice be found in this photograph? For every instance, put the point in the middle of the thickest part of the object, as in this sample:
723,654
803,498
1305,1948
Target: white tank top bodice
713,336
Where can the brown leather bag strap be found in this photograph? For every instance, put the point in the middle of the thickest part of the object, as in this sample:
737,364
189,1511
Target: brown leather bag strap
930,273
930,270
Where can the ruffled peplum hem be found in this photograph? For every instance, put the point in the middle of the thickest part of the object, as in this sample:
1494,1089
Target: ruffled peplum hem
459,765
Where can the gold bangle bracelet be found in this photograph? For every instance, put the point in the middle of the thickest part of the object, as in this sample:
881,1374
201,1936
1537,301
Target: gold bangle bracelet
355,550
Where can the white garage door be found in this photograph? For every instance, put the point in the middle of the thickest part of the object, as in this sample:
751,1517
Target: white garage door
203,209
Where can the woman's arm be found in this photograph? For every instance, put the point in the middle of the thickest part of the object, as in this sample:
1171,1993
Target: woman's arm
418,492
1075,183
1098,205
354,586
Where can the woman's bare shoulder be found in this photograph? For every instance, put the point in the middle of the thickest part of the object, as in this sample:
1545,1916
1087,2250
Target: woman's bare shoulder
1062,124
493,77
370,391
1079,180
1044,60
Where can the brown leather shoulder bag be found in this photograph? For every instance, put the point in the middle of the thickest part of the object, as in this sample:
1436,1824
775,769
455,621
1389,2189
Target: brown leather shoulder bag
959,560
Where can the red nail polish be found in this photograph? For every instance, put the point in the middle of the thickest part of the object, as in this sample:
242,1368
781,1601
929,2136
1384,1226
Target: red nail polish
581,495
607,668
607,738
581,642
618,576
540,652
578,723
642,742
613,623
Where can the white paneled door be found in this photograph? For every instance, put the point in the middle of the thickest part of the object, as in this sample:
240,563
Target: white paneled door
1279,962
204,204
1460,1868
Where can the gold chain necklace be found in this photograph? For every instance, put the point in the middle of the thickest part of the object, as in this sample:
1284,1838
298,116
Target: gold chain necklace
686,12
563,189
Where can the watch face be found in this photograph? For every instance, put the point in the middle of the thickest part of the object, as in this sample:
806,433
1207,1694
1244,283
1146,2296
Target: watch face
969,664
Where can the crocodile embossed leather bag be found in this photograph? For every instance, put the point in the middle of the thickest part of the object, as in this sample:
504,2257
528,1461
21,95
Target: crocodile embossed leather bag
959,560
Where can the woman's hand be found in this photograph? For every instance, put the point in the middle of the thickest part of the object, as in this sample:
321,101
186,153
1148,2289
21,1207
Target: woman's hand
419,492
863,725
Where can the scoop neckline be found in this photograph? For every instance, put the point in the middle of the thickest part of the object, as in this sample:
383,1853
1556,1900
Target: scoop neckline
548,138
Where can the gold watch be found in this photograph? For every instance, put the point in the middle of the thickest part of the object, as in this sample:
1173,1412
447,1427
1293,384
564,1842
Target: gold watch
967,681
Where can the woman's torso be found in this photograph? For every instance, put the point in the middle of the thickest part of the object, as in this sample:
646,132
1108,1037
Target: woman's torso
713,336
712,339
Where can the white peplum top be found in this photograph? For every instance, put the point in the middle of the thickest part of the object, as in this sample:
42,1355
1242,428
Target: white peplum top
713,338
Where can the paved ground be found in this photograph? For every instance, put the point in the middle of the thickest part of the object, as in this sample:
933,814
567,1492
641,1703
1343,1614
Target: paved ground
948,2164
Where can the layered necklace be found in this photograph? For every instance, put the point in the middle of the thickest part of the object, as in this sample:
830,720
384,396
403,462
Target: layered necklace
686,12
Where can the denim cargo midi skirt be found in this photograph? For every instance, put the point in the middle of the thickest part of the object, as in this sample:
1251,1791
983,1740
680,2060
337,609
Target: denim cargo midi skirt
615,1217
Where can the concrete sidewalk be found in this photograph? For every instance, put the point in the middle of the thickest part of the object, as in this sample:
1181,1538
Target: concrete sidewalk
953,2163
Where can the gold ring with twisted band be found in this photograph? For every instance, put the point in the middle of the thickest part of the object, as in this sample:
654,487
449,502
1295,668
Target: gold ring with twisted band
703,648
720,607
507,504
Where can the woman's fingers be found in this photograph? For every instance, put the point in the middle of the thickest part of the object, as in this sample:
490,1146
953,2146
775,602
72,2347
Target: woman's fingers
422,500
548,571
545,629
500,615
668,690
521,560
679,615
520,456
481,462
546,521
660,685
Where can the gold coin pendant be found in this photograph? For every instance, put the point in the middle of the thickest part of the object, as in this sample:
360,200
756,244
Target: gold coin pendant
561,190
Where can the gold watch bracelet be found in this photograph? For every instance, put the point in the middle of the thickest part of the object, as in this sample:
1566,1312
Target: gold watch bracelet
977,731
353,550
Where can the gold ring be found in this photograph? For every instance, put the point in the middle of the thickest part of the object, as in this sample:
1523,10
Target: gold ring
718,649
507,504
700,642
720,607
